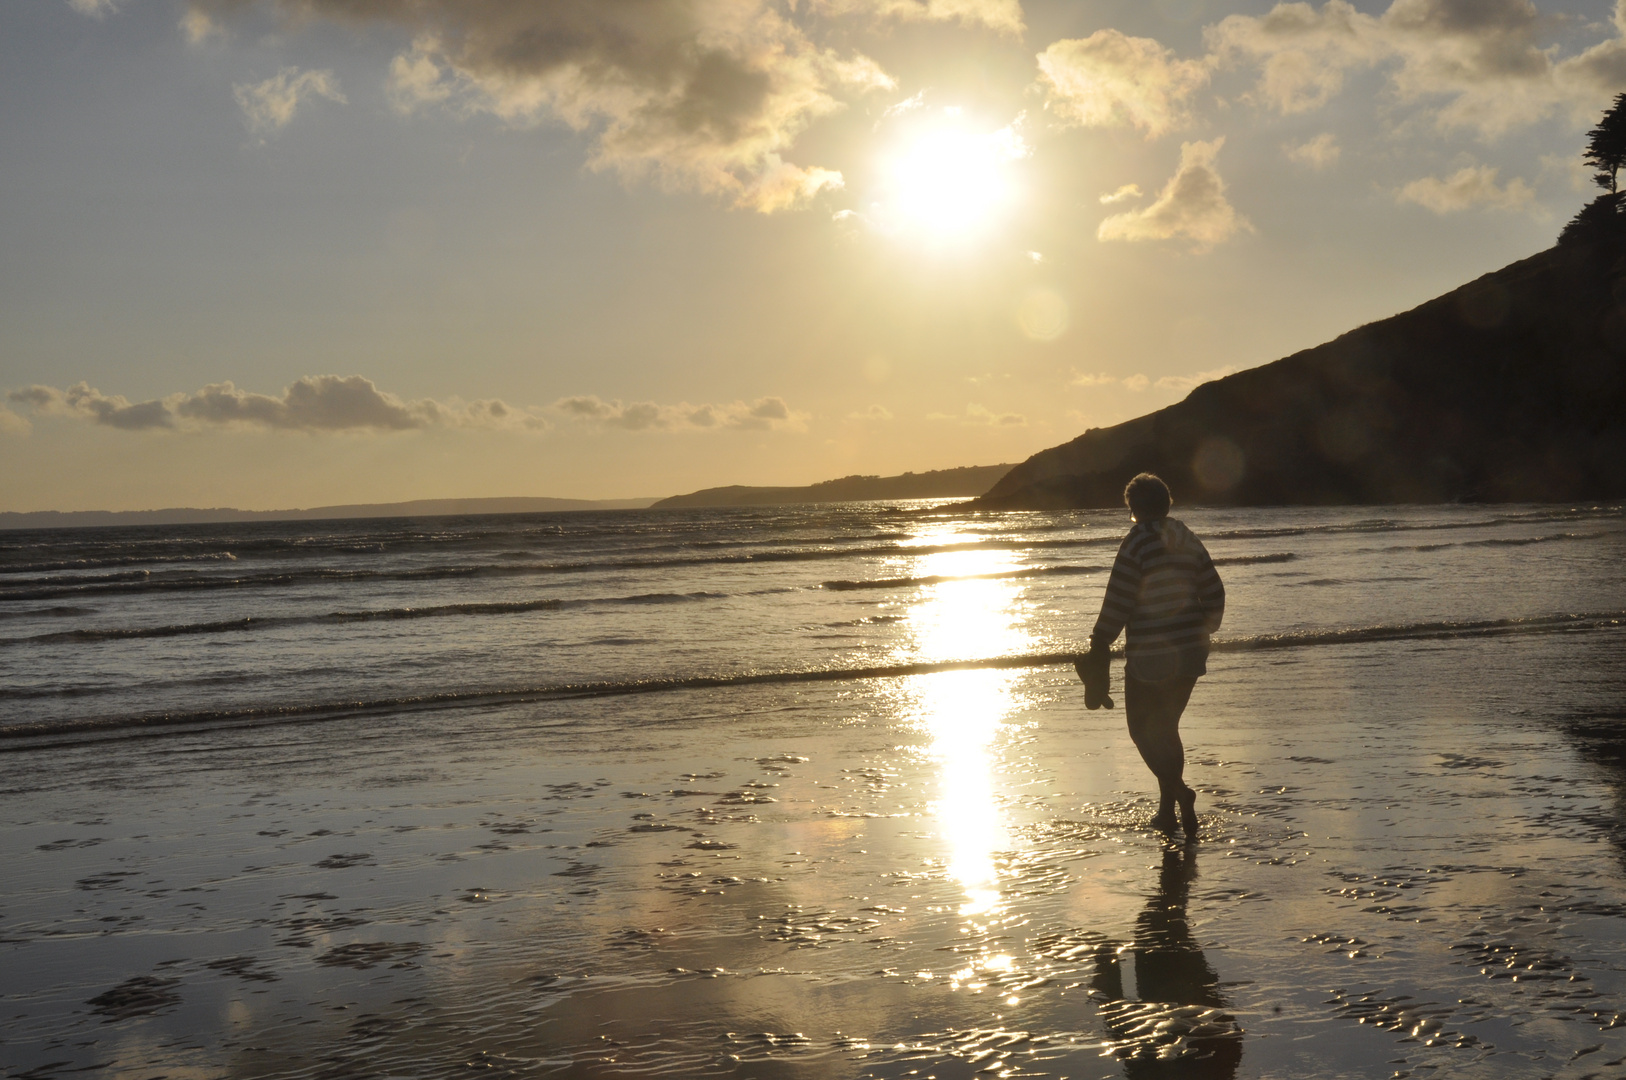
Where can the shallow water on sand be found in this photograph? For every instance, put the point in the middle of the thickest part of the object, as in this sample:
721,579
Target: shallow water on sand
1412,863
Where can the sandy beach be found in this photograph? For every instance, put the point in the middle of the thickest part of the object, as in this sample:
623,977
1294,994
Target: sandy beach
945,875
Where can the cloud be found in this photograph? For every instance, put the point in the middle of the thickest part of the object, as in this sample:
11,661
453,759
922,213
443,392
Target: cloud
769,413
1088,379
1138,382
83,400
270,105
1187,382
96,9
703,95
1191,205
1112,80
1474,185
12,424
1302,54
199,27
1124,194
902,108
1002,15
314,403
1318,153
982,416
874,412
782,185
1468,64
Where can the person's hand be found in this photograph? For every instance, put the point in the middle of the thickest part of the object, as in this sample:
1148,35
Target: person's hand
1094,668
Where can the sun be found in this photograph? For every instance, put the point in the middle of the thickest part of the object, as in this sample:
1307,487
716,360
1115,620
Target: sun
947,180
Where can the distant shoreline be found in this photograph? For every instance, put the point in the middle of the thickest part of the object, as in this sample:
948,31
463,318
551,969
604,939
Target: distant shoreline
941,483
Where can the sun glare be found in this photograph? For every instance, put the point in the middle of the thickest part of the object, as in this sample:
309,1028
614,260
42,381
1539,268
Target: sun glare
947,180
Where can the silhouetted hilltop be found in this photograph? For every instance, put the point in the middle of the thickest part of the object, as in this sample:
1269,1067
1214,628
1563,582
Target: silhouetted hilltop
60,519
937,484
1508,389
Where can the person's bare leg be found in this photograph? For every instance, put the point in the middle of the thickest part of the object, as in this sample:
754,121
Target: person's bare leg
1153,711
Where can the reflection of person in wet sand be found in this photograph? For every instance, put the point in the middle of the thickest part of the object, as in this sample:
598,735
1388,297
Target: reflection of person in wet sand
1165,590
1175,1025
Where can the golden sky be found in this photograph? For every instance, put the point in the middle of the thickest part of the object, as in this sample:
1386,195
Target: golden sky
275,253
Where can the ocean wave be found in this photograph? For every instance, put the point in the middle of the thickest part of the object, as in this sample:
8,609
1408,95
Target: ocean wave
227,626
186,581
505,560
1026,572
938,579
59,611
1383,525
100,562
14,737
80,555
1506,541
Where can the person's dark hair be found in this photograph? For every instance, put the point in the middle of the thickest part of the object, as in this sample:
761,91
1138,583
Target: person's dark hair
1147,497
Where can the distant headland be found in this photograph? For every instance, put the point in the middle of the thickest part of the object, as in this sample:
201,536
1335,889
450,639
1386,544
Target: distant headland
941,483
936,484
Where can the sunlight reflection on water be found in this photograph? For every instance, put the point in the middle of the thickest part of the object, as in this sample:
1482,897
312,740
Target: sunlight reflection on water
964,710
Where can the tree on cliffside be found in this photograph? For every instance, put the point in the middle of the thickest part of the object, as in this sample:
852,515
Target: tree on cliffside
1606,145
1605,151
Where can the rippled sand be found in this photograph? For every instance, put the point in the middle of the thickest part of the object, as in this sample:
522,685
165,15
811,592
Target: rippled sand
1411,863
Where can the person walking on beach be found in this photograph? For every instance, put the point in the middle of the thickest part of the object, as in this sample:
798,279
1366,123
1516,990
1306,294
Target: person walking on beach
1165,590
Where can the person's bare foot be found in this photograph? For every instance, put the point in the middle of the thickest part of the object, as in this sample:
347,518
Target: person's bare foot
1164,820
1188,813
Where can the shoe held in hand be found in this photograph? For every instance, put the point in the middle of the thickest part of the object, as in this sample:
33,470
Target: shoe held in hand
1094,667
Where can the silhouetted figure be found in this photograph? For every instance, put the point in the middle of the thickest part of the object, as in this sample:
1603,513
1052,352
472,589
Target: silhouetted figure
1175,1025
1165,590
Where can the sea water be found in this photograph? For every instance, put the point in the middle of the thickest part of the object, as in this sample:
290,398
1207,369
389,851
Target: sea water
807,791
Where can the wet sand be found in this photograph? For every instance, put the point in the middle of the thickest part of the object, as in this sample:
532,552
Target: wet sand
1411,864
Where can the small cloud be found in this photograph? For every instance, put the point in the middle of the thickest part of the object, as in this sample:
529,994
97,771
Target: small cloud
1002,15
982,416
874,412
12,424
1575,172
270,106
96,9
1192,204
1123,194
1474,185
1112,80
1187,382
902,108
1100,379
1318,153
83,400
314,403
1034,257
199,27
1138,382
769,413
782,185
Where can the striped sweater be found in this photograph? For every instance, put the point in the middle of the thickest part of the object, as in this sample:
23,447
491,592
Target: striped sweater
1165,589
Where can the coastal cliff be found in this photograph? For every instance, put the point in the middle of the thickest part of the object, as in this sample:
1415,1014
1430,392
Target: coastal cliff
1510,388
